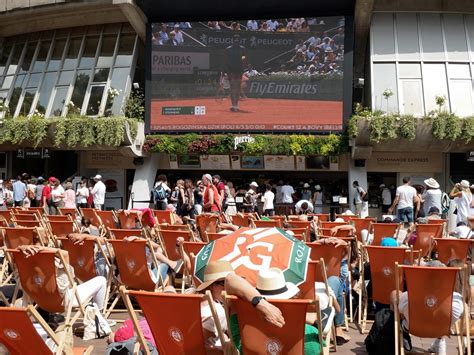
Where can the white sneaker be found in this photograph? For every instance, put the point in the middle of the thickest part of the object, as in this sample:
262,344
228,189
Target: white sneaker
438,346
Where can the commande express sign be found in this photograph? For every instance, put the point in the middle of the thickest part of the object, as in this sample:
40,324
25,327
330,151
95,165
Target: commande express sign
178,62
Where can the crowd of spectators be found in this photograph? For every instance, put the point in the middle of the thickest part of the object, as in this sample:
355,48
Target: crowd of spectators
300,24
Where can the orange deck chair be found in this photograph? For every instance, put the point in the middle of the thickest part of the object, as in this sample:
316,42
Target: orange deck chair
69,211
267,224
168,240
425,234
331,224
121,234
241,220
81,257
6,217
299,233
361,224
382,272
207,223
128,221
174,227
322,217
58,218
107,219
303,224
14,237
192,249
173,334
91,215
62,229
345,217
332,257
382,230
430,292
214,236
450,248
258,336
37,275
326,232
25,216
20,337
163,217
28,224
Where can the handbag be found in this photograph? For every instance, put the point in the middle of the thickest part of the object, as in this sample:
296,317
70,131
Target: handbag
95,325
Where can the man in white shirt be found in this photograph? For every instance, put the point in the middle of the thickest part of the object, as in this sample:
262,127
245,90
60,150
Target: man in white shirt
272,24
386,198
268,198
252,25
405,200
286,193
98,193
303,207
178,34
359,202
432,196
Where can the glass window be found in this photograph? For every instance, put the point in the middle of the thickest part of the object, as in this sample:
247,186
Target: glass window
94,30
47,35
57,55
62,33
385,79
459,71
461,97
70,62
95,100
407,37
409,70
7,83
434,84
431,37
412,97
34,80
30,52
125,50
127,28
45,92
66,77
80,87
27,102
15,58
15,96
470,31
383,37
90,49
4,57
59,101
112,28
107,51
456,42
119,82
101,75
40,62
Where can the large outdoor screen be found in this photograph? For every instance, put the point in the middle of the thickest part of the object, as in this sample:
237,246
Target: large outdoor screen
255,75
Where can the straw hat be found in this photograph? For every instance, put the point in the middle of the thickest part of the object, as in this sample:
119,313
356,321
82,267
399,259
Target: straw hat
432,183
306,185
215,271
271,284
464,184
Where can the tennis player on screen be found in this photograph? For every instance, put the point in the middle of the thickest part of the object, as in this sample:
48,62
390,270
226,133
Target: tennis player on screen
235,61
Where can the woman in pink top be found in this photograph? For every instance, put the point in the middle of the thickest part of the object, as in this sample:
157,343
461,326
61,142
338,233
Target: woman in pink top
69,197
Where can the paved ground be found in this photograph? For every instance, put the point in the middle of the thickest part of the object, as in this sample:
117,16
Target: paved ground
355,346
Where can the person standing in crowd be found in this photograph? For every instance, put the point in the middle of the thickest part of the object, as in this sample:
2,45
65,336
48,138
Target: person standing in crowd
386,198
419,211
161,191
198,197
69,196
405,200
187,197
178,35
461,193
235,59
82,194
46,193
432,196
278,194
220,186
31,191
318,199
360,202
39,191
250,199
180,196
98,193
303,207
211,195
268,198
287,192
2,196
306,192
19,191
57,196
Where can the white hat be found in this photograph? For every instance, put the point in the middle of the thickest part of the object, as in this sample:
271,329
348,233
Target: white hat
348,213
317,187
339,220
382,186
98,177
215,271
254,184
208,177
1,183
306,185
432,183
465,184
271,284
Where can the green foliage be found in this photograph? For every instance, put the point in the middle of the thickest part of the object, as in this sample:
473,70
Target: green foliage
295,144
68,132
135,105
407,127
468,129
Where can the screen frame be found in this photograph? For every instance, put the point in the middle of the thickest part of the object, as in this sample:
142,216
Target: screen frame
347,84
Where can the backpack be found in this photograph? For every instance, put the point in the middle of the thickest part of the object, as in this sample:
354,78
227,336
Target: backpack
159,193
95,325
126,347
445,203
381,338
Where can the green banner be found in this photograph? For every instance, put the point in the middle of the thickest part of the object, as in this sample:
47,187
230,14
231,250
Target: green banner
202,260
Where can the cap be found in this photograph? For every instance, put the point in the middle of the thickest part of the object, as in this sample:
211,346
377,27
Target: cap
254,184
52,179
382,186
98,177
465,184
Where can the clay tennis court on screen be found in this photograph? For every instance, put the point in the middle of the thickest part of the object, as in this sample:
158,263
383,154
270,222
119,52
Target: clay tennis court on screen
255,114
